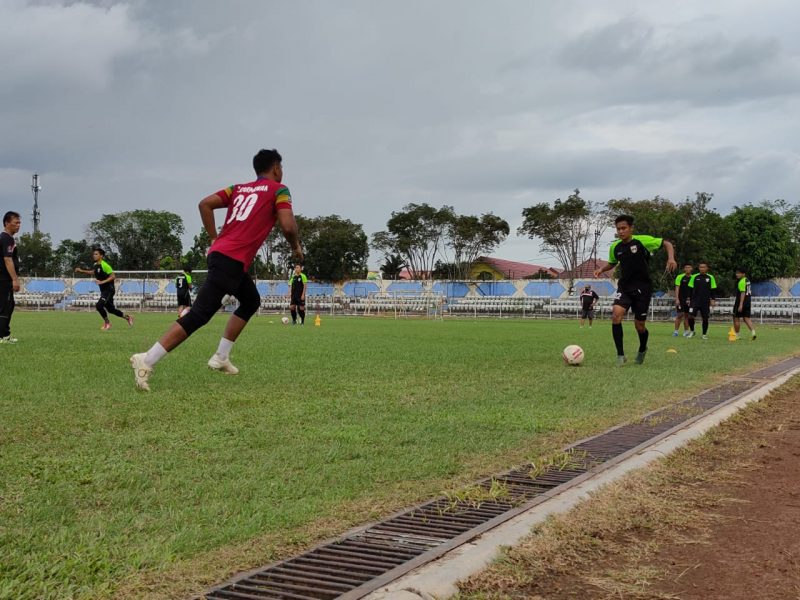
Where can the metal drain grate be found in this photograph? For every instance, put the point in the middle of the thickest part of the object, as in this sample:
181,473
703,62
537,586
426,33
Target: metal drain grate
355,565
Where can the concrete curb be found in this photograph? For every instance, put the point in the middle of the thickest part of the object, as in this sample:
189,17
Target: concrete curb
438,579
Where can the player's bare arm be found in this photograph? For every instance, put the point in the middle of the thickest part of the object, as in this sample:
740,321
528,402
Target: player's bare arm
11,271
671,264
207,207
608,267
289,227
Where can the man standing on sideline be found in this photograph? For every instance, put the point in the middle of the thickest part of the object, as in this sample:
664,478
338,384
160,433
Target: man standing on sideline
9,274
183,288
741,305
634,288
252,209
588,300
683,297
104,277
704,292
298,284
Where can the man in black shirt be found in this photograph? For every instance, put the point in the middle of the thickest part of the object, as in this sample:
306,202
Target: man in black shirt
588,299
104,277
634,288
704,292
683,296
9,274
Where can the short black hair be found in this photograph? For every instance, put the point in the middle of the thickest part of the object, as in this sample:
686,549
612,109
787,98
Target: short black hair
627,218
100,250
687,264
187,268
265,160
702,262
9,216
740,270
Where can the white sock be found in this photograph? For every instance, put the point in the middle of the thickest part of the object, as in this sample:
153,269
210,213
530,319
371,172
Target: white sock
224,348
155,354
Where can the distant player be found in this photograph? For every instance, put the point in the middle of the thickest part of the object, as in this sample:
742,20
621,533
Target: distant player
683,297
704,293
741,305
9,274
104,277
183,288
589,299
634,288
251,212
298,284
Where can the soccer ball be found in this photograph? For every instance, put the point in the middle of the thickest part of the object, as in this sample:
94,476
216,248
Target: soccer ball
573,355
285,320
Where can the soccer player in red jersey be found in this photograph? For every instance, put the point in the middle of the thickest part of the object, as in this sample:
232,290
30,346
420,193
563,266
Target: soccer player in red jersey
252,210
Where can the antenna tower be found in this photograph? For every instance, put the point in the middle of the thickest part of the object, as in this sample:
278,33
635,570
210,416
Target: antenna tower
35,188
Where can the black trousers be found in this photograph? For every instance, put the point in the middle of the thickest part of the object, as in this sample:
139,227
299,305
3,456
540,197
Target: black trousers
6,307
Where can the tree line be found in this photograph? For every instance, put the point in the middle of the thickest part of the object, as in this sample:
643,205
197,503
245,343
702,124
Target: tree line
439,243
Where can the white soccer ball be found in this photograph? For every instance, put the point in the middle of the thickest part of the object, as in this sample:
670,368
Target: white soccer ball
285,320
573,355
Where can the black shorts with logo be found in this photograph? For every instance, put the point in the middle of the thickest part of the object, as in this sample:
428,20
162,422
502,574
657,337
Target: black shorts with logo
683,305
704,310
637,300
226,276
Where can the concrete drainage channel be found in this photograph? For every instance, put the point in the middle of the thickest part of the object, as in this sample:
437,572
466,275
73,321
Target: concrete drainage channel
377,560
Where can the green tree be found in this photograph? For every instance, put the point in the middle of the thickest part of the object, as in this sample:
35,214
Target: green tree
138,238
70,254
196,256
469,237
35,255
393,266
764,246
417,234
790,213
336,249
567,229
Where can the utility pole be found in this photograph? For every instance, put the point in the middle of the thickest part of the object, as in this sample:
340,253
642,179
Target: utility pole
35,188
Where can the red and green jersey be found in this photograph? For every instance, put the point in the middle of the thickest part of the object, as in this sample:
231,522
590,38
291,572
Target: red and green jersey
252,211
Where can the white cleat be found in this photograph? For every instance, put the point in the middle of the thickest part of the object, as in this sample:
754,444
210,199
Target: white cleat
222,364
141,371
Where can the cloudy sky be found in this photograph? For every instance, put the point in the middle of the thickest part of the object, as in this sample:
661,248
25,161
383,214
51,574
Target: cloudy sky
485,106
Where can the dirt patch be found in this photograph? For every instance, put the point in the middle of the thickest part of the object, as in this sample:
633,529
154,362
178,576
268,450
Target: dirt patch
719,519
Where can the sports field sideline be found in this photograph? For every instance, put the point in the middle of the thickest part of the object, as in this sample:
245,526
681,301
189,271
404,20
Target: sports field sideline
108,491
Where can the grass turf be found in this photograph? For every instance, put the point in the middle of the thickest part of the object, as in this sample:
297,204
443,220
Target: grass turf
102,486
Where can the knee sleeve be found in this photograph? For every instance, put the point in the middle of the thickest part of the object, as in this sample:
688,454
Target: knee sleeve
248,306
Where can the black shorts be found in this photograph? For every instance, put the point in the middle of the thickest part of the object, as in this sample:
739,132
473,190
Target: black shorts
587,313
744,313
184,300
635,300
683,305
704,310
296,301
226,276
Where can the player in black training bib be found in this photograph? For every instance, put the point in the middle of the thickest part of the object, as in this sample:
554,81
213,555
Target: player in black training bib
634,288
104,277
298,284
183,288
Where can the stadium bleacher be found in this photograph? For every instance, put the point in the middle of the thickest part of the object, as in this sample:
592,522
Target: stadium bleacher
456,299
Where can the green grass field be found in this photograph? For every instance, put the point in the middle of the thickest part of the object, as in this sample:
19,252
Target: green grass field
107,491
